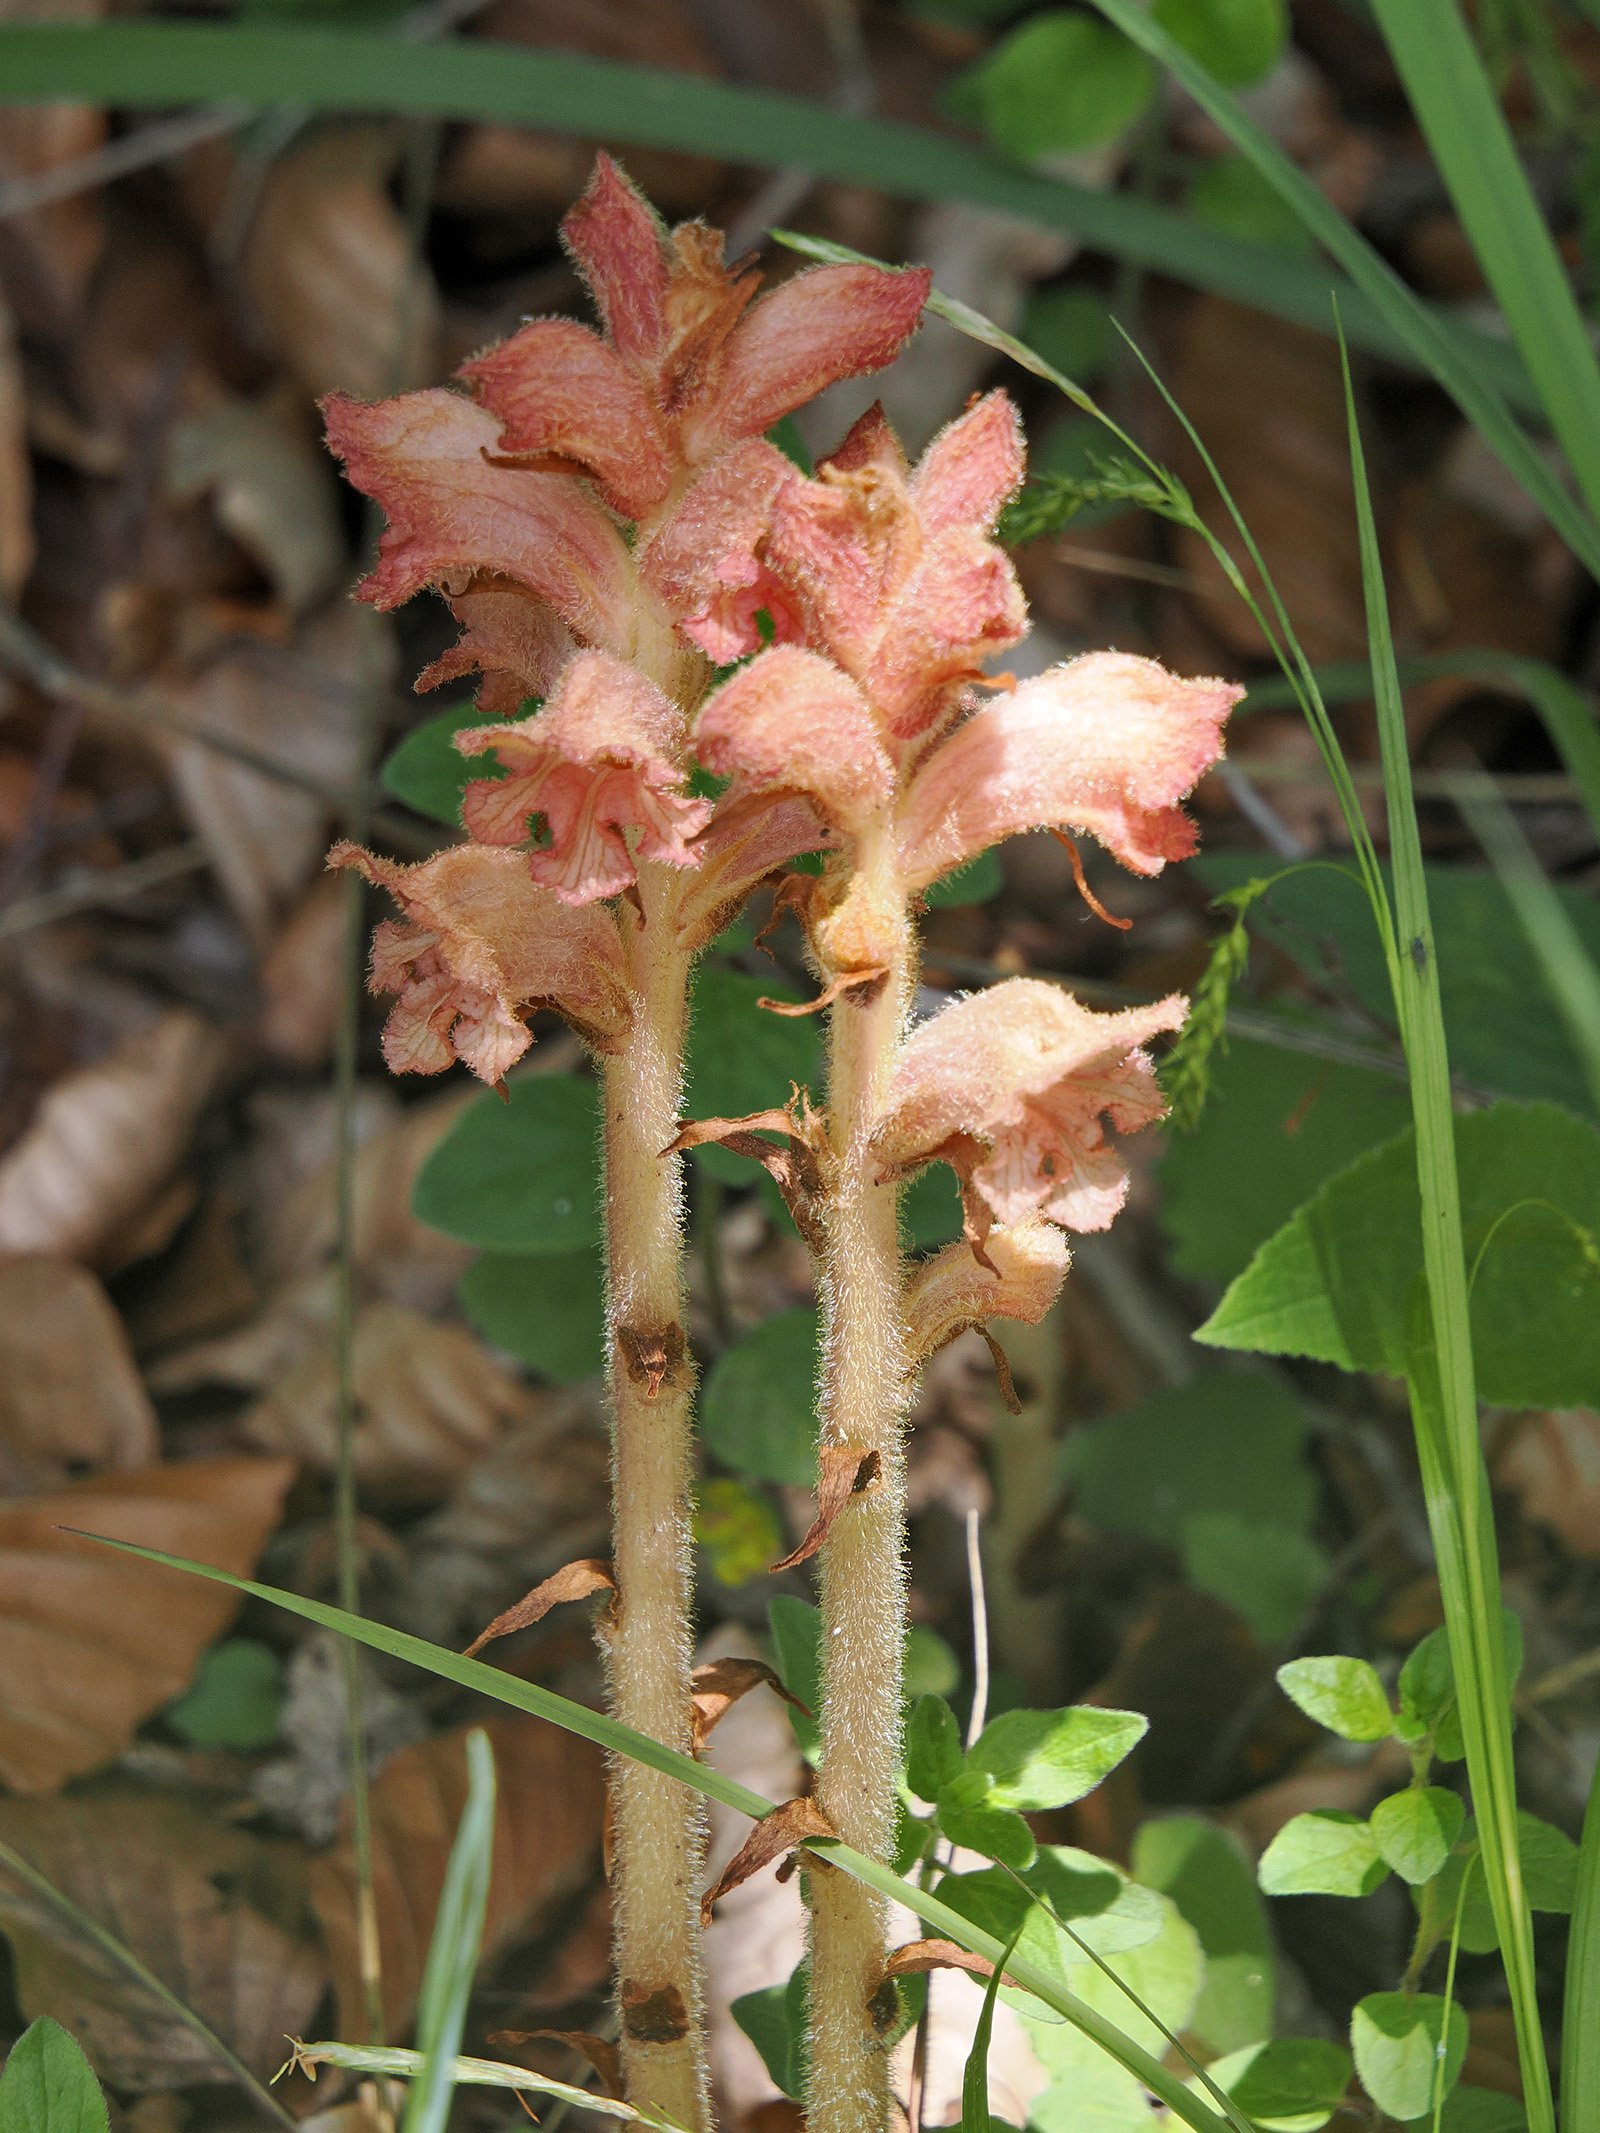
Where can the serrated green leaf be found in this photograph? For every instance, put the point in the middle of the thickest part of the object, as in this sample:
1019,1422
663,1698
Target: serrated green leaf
1336,1281
235,1699
1269,1572
1323,1853
547,1308
1041,1759
1207,1877
1291,2085
1427,1688
1396,2038
934,1756
758,1411
1414,1830
429,773
1087,2093
48,2085
993,1832
519,1173
1345,1695
1549,1875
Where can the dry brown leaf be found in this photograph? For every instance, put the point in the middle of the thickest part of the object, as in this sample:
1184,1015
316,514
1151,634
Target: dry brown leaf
50,252
1554,1464
720,1683
773,1837
70,1394
918,1957
602,2054
843,1471
214,1913
265,838
330,269
93,1641
302,978
429,1399
548,1803
577,1581
104,1143
202,1286
271,487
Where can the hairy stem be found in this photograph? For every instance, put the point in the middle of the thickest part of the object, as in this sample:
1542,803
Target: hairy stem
864,1391
658,1826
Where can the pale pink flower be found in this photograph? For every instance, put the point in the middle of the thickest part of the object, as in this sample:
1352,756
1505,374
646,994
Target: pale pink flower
604,754
1013,1089
1019,1277
479,948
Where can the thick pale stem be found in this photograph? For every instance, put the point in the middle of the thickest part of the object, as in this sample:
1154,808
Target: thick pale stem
864,1392
658,1826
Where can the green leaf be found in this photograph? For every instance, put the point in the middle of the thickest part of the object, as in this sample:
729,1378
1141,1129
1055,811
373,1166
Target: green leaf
1323,1853
785,434
427,771
1269,1572
1503,1024
1345,1695
1236,41
738,1529
774,2020
975,2075
1071,328
1207,1877
1414,1830
547,1308
453,1950
1549,1875
796,1628
1043,1759
1292,2085
1059,83
930,1208
1336,1281
48,2087
235,1699
1224,1442
1231,195
1479,2111
931,1667
758,1412
933,1747
519,1173
975,883
1396,2038
1427,1688
741,1058
993,1832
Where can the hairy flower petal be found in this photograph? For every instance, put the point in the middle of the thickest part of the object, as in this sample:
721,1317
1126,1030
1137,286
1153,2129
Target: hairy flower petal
790,720
960,604
562,393
702,563
453,516
1108,743
515,641
748,838
1012,1088
826,324
620,248
479,948
971,468
604,755
954,1291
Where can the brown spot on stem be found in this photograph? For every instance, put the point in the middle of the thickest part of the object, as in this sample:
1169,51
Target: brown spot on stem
883,2009
719,1684
773,1836
575,1581
843,1471
658,2017
653,1357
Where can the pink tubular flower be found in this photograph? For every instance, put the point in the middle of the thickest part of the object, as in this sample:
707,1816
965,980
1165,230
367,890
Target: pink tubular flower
602,754
1020,1277
1012,1089
478,949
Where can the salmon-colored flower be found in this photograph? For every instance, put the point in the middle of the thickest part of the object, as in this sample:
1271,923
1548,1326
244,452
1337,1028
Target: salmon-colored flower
953,1291
480,947
1013,1089
604,754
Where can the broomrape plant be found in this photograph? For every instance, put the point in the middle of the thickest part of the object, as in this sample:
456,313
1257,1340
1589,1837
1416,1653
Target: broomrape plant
607,520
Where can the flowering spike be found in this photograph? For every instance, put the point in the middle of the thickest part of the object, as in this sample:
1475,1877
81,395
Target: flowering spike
518,644
791,720
971,469
620,248
1108,743
602,756
479,948
1011,1088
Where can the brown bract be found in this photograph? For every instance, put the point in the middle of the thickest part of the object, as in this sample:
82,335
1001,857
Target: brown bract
843,1471
773,1836
92,1640
719,1684
575,1581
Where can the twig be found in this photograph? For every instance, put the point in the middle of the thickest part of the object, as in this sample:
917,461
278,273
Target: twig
124,1959
118,159
980,1631
111,887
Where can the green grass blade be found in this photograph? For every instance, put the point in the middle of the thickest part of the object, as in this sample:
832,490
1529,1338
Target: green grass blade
130,64
712,1785
1436,349
453,1951
474,2073
1568,967
1568,717
1461,117
975,2074
1444,1396
1580,2029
